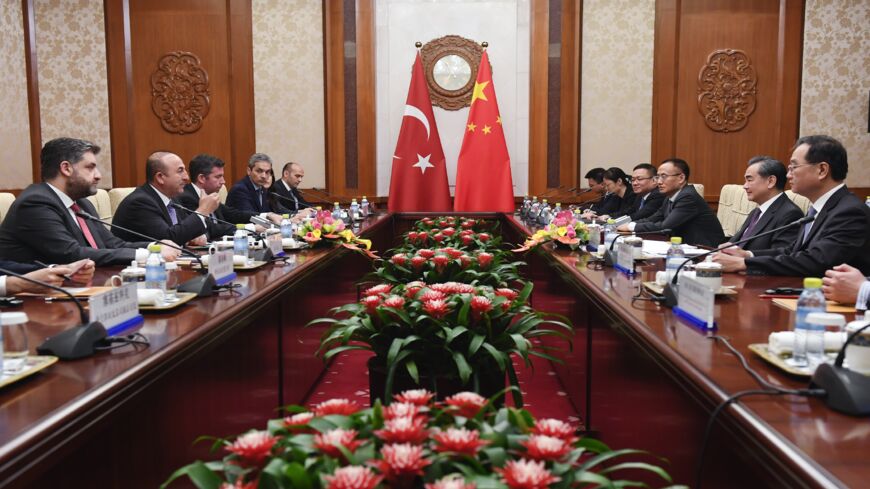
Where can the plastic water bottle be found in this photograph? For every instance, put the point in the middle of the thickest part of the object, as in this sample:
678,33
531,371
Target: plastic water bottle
610,233
809,338
533,209
354,211
675,257
544,215
336,211
524,209
240,242
155,269
364,207
286,226
557,209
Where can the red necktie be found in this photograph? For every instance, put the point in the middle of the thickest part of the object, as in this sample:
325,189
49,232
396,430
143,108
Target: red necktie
84,225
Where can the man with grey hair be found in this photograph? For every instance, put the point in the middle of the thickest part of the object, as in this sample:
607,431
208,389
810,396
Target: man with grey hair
764,182
251,193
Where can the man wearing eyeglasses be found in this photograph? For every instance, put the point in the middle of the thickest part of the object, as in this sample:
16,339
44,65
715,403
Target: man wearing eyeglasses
684,211
647,198
840,232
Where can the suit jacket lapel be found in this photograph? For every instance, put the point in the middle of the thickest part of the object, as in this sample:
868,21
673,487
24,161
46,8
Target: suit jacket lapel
70,223
768,214
819,221
156,198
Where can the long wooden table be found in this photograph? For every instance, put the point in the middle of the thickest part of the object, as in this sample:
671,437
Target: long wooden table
638,376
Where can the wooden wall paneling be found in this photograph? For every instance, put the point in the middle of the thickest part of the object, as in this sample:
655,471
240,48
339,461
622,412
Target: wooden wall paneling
119,68
687,33
539,55
240,53
31,67
569,126
365,99
333,50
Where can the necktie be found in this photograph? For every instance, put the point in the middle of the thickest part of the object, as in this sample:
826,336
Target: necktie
260,197
668,206
172,215
642,202
753,220
84,226
808,226
295,200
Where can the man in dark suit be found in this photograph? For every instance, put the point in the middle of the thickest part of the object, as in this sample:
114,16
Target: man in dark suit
42,223
684,212
288,187
148,211
847,285
80,272
207,177
764,182
840,232
252,192
647,198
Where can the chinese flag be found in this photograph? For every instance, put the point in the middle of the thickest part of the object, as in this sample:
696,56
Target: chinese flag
483,171
419,178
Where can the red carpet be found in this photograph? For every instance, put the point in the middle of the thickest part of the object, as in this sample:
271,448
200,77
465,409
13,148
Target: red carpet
347,378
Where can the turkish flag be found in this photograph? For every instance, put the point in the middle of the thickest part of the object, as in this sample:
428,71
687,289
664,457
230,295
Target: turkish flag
483,171
419,178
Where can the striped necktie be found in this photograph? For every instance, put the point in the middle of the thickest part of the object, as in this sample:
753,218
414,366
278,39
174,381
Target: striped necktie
808,226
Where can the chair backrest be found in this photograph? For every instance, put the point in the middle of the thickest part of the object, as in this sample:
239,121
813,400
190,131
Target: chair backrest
799,200
734,207
223,194
6,200
700,188
116,195
103,204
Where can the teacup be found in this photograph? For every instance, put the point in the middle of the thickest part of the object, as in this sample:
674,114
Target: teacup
858,351
710,274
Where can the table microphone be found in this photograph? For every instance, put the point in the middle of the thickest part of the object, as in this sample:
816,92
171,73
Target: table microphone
299,204
333,197
202,285
206,216
260,255
590,201
846,391
553,191
316,198
670,289
76,342
608,253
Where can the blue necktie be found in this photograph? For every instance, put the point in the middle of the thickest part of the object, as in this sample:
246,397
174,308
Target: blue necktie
808,226
172,216
642,202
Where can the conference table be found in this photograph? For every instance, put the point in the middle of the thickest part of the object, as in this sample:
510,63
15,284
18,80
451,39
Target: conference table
638,376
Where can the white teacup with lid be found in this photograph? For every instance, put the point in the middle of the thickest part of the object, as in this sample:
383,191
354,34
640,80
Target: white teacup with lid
858,351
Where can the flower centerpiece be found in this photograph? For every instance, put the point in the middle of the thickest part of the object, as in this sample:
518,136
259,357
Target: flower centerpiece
325,229
448,264
565,229
447,336
462,443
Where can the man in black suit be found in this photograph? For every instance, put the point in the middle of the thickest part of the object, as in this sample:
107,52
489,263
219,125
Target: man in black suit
80,272
847,285
148,211
288,187
684,212
647,198
601,199
207,177
840,232
764,182
42,223
251,193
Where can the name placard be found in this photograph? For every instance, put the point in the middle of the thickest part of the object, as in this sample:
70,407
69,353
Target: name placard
117,309
220,266
696,302
275,243
624,258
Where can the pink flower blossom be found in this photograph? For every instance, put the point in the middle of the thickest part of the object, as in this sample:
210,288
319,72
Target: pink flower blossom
371,302
417,262
468,223
352,477
402,463
432,295
510,294
459,440
377,290
329,441
399,259
420,397
448,232
467,239
401,410
452,481
254,447
404,430
554,427
412,235
483,237
440,261
543,447
526,474
436,308
426,253
413,288
445,223
468,404
453,252
465,261
480,304
342,407
298,421
484,259
439,237
394,301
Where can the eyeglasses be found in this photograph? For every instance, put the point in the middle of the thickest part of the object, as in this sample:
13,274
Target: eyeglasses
641,179
662,176
792,168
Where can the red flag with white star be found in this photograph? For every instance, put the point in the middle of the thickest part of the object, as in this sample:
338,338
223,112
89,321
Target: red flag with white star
483,171
419,178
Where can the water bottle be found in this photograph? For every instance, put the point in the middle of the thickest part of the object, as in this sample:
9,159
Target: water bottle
240,242
544,214
336,211
525,207
286,226
809,338
364,207
533,209
155,269
675,257
354,211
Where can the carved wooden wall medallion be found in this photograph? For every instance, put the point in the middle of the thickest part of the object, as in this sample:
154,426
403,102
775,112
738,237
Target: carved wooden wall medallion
727,90
450,64
179,92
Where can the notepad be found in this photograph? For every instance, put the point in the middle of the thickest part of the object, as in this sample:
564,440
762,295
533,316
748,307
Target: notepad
791,305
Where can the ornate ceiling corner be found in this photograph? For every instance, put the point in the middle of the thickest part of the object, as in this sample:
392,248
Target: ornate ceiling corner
450,64
180,92
727,90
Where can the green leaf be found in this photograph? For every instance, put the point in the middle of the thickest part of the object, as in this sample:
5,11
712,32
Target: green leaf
395,347
592,478
273,475
640,466
603,457
593,445
322,425
496,455
454,333
499,357
340,349
515,383
476,341
201,476
462,367
411,367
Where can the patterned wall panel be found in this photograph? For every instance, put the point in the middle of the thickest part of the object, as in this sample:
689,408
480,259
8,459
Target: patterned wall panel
288,84
617,69
14,124
73,91
836,78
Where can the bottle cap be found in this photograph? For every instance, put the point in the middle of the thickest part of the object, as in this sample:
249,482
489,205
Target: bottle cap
364,197
611,221
8,318
353,201
240,226
826,319
812,283
285,216
676,240
544,201
558,204
154,248
335,204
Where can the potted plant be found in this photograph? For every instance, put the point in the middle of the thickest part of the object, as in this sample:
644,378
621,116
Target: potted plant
441,334
462,443
448,264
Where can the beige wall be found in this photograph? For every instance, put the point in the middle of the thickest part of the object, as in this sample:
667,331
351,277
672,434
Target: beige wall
836,78
73,88
15,165
288,84
617,70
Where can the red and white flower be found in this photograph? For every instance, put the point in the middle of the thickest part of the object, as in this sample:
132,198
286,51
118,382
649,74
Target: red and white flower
342,407
402,461
453,252
448,232
399,259
484,259
459,440
420,397
467,404
298,421
480,305
452,481
426,253
440,261
543,447
467,239
413,288
401,410
526,474
394,301
437,308
510,294
432,295
555,427
466,261
439,237
484,237
404,430
253,447
378,290
352,477
417,262
329,441
371,302
468,223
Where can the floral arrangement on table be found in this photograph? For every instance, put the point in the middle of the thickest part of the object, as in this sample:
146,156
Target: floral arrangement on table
565,229
452,330
462,443
448,264
325,229
464,223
